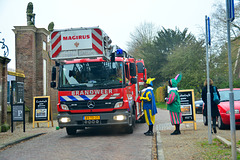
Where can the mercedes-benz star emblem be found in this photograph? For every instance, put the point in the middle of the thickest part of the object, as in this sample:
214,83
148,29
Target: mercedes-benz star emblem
91,104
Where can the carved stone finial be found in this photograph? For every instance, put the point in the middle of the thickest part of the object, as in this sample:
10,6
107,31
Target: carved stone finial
51,26
30,15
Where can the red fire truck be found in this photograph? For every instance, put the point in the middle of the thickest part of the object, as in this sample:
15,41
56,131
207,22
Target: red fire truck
98,84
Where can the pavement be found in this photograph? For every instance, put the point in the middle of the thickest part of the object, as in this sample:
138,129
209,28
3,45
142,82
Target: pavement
183,146
18,135
162,129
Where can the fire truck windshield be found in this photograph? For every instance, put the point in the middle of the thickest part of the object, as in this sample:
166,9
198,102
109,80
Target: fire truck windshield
91,74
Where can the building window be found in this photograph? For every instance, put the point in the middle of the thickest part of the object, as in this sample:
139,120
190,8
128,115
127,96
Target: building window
44,77
44,46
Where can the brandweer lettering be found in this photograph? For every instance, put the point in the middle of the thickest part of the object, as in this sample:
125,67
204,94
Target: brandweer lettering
92,92
76,37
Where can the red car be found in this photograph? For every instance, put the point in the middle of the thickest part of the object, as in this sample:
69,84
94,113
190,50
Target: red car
224,108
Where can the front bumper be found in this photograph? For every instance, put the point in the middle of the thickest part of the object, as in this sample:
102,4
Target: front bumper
199,109
226,119
77,120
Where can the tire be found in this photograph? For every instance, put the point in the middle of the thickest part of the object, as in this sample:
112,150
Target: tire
205,121
142,119
71,130
221,125
130,126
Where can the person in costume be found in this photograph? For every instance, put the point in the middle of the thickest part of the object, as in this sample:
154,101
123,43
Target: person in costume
149,105
173,104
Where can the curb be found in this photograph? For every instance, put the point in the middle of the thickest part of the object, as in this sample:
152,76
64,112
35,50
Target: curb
228,143
20,140
160,153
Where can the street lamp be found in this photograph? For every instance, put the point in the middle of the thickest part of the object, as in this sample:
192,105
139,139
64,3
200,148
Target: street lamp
4,46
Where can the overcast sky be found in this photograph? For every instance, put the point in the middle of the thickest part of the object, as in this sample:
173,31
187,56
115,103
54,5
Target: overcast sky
118,18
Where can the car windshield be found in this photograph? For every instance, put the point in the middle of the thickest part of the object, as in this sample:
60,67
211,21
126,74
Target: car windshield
224,95
92,74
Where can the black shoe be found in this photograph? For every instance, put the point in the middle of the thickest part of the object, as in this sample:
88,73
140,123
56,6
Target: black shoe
214,130
150,133
146,132
176,132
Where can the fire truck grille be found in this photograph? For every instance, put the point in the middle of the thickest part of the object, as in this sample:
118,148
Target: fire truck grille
95,104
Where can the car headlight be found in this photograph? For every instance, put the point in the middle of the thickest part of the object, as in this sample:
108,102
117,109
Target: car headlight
236,111
118,105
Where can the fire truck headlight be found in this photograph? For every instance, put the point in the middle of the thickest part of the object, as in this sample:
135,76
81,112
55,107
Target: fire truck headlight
64,107
119,117
64,119
118,105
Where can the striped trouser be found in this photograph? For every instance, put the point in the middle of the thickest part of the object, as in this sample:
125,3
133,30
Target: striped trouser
176,117
150,119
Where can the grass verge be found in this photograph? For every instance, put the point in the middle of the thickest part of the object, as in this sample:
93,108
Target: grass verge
216,150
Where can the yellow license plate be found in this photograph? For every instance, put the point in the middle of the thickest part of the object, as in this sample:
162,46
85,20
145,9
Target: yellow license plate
91,117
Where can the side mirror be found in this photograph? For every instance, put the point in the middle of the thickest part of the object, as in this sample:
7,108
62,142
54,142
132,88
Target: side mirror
132,69
57,64
53,73
113,57
145,74
53,84
140,67
133,80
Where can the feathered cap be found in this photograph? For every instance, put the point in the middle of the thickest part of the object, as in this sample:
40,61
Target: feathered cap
176,80
149,81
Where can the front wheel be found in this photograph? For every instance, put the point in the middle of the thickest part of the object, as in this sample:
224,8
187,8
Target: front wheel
71,130
221,125
142,119
131,125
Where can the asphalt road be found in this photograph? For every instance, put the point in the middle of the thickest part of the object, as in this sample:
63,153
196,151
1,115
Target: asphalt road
90,144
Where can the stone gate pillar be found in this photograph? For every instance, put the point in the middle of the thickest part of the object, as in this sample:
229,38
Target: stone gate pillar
31,52
3,89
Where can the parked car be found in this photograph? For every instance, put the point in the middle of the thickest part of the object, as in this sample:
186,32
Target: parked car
224,108
199,105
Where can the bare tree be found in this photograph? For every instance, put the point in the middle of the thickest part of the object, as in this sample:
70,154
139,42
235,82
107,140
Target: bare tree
219,23
143,34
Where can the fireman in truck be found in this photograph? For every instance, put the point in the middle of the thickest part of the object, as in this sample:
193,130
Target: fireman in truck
149,105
